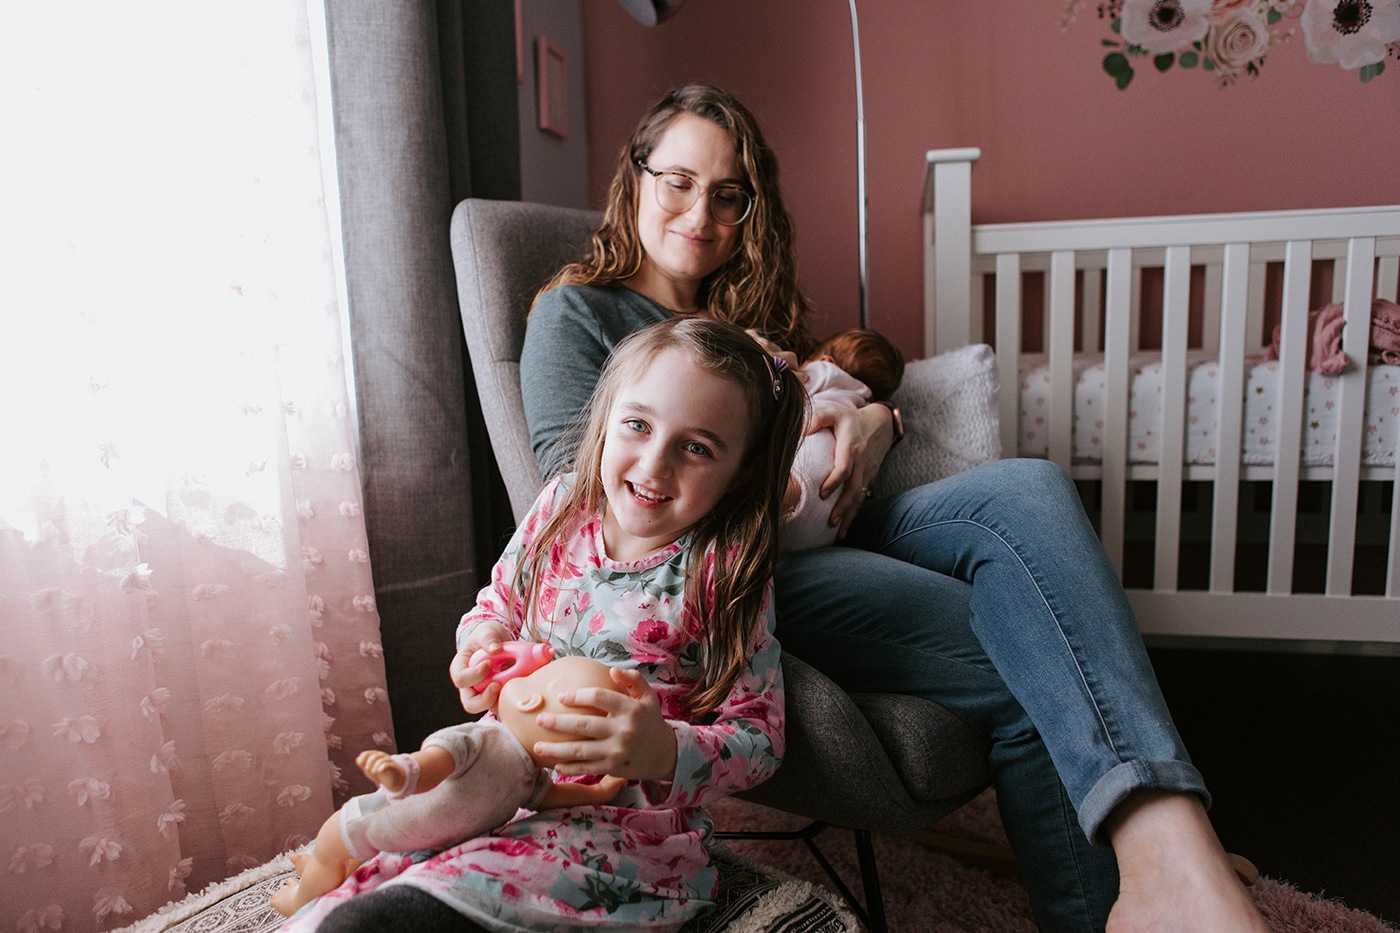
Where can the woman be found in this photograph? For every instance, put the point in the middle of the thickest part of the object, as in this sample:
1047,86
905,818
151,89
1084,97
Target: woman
986,592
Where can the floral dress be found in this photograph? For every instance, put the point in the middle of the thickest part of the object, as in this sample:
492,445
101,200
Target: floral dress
639,862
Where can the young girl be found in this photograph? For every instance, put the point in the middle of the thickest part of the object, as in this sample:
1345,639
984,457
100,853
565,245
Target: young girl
655,556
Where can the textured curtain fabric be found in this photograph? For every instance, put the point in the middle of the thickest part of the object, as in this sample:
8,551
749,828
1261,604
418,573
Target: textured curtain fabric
411,80
190,653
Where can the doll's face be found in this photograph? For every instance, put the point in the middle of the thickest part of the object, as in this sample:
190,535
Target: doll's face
524,698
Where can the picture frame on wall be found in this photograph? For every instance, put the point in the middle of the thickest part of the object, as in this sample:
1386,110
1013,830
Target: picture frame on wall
552,77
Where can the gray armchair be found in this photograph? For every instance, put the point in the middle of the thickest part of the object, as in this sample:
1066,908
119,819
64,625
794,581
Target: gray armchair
869,762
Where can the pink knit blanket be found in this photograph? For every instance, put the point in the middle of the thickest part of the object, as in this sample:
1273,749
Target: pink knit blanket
1325,326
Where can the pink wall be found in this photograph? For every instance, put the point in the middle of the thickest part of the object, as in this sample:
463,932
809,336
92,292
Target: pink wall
1058,139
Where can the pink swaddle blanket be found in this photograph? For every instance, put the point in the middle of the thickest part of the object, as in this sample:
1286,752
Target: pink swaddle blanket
1325,326
1385,332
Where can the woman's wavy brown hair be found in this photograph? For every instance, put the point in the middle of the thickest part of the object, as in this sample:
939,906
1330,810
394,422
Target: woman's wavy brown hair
757,287
741,531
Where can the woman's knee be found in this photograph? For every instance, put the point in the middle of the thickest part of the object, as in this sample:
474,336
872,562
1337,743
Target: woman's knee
1030,474
1030,488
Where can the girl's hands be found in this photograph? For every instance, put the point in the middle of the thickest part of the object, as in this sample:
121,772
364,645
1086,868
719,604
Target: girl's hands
863,437
488,635
631,740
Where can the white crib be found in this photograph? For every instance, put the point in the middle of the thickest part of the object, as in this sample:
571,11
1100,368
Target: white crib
1215,536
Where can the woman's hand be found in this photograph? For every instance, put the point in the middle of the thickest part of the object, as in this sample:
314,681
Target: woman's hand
863,437
631,739
488,635
773,349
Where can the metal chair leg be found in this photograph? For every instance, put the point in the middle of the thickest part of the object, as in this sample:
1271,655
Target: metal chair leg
872,913
870,880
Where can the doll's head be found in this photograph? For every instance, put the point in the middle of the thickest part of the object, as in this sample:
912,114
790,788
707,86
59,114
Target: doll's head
524,698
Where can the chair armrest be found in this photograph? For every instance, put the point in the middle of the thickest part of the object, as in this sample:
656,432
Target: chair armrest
893,763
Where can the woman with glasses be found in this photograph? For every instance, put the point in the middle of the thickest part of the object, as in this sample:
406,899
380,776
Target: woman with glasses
986,592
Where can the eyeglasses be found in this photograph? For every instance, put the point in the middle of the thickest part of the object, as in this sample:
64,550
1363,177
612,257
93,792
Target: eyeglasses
677,193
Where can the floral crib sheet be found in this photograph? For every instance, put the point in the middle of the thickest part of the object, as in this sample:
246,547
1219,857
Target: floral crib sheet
1261,420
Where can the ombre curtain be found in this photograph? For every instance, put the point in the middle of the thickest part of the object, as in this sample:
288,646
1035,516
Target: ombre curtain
190,652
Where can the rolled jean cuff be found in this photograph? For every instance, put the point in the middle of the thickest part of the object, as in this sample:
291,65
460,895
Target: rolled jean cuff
1118,783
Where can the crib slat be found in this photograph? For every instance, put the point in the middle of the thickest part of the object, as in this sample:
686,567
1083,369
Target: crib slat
1176,315
1392,573
1060,337
1388,287
1135,311
1351,401
1254,327
1287,421
1234,311
976,300
1116,330
1008,339
1210,321
1093,317
1388,279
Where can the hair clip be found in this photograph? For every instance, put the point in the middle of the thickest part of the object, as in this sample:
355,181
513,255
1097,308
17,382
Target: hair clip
776,367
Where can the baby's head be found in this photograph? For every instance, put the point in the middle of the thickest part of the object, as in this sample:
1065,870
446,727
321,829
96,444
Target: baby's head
866,355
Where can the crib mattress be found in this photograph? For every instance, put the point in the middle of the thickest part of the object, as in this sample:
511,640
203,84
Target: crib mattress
1260,419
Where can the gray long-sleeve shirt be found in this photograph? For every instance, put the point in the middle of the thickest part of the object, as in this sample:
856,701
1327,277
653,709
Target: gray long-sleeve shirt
571,333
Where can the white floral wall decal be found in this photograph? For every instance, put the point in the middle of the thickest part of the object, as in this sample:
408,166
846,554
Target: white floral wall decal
1230,38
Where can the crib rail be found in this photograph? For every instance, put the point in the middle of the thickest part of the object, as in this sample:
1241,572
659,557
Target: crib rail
1223,279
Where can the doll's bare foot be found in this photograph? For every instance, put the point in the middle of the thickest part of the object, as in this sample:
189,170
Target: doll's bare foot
381,768
285,901
609,786
313,879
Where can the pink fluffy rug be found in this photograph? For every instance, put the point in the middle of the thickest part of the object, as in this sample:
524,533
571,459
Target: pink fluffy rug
925,890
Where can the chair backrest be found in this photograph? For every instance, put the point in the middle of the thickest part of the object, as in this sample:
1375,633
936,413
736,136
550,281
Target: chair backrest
503,252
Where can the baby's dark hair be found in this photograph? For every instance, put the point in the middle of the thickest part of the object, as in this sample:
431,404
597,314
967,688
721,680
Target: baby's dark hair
868,356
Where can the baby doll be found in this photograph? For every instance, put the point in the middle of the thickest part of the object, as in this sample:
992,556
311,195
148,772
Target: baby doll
465,780
849,370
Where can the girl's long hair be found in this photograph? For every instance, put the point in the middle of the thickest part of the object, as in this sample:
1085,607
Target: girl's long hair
757,287
741,531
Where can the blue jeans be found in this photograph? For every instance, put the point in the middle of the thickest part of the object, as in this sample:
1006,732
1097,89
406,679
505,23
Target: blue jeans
989,593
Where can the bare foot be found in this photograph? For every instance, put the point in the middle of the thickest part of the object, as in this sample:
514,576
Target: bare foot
285,901
1174,874
609,786
381,768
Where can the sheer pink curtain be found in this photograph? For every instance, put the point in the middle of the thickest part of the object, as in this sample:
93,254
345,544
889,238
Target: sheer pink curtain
189,647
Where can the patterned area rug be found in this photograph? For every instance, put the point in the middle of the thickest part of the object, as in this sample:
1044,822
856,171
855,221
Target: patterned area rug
753,898
931,892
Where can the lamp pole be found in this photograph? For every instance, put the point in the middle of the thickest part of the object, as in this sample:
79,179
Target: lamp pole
860,177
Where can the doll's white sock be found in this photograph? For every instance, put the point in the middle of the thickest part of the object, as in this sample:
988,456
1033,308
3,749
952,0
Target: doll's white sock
410,772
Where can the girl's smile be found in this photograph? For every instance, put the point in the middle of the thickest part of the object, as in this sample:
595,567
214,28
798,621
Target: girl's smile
676,438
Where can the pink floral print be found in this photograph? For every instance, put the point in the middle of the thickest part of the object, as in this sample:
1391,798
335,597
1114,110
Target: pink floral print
639,863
